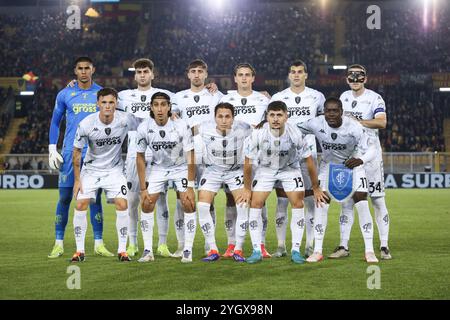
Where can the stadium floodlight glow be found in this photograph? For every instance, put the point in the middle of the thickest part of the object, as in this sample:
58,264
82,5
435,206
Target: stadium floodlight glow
444,89
339,67
131,69
26,93
425,13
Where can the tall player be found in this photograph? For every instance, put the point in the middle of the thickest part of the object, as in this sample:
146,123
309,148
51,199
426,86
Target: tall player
222,141
303,103
74,103
104,133
249,106
173,159
276,148
343,140
137,102
195,106
369,109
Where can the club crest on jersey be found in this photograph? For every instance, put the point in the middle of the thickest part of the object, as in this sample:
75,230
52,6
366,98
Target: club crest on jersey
297,100
334,136
196,98
244,101
224,143
143,98
340,182
162,133
108,131
354,103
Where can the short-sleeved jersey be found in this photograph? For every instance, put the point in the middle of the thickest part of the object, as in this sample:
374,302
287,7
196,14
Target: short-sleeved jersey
137,103
223,153
249,109
276,153
104,140
364,107
74,104
197,107
168,143
338,144
303,106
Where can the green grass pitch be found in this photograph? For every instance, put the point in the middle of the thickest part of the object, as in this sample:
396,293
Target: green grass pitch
419,241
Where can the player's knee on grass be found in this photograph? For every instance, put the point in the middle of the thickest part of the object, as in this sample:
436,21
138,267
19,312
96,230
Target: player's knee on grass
359,196
121,204
82,204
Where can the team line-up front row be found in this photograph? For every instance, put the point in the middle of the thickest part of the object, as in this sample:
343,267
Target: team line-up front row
200,138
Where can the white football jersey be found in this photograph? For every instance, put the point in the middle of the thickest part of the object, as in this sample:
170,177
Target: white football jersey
364,107
276,153
168,143
338,144
223,153
249,109
301,107
137,103
197,107
104,140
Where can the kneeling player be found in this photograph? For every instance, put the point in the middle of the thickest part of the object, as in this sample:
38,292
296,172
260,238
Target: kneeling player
173,160
343,140
104,132
223,142
277,148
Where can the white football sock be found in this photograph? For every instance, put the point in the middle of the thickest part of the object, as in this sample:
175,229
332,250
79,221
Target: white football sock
309,221
190,226
320,226
122,225
206,224
133,204
147,223
281,220
382,219
365,223
346,219
60,242
79,228
97,242
162,218
230,224
255,226
178,220
264,224
241,226
212,212
297,228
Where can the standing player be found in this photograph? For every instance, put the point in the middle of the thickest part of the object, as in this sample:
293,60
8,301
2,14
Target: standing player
343,140
74,103
277,148
303,103
172,160
137,102
249,106
369,109
195,106
223,142
104,133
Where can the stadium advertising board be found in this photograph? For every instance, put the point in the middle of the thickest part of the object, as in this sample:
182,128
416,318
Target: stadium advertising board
392,181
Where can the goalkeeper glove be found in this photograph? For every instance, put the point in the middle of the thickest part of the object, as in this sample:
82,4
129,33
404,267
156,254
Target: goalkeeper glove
54,158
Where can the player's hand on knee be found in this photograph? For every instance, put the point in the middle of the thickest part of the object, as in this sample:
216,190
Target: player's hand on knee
54,158
320,197
189,199
244,197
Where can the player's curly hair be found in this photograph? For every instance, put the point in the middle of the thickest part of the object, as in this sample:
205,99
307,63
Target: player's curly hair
143,63
160,95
